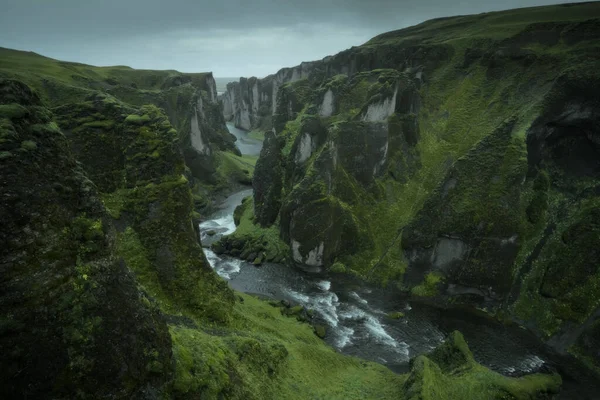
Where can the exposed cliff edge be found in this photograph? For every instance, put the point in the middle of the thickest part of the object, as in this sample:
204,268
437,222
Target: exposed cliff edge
189,101
251,102
72,319
456,159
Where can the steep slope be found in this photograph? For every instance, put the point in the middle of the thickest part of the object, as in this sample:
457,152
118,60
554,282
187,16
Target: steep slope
72,319
189,100
105,292
457,159
133,157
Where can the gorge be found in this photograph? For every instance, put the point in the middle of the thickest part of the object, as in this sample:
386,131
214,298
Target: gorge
413,218
456,160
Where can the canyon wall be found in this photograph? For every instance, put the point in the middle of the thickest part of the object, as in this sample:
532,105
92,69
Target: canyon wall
460,167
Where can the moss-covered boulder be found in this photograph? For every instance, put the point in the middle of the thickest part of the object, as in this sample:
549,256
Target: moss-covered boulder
73,320
450,372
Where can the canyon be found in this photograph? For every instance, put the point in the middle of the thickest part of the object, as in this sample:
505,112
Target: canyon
323,232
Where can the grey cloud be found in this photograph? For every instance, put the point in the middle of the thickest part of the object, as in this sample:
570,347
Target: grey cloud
229,37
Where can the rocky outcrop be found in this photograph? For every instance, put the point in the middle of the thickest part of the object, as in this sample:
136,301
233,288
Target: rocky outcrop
133,156
251,102
321,164
72,319
462,169
451,366
189,100
268,184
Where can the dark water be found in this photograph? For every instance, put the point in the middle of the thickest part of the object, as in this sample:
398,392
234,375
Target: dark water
357,324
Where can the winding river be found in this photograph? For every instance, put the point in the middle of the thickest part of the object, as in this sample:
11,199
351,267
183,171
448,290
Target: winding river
355,314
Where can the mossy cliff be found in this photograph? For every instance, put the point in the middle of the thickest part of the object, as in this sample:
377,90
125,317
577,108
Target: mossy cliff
72,319
251,102
105,292
456,159
138,167
189,101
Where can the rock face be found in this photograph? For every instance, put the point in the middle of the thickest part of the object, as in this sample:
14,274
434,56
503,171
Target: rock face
72,317
194,111
189,100
267,186
133,157
251,102
462,168
307,174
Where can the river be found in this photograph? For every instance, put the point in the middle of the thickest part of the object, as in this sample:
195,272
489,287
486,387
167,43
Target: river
355,313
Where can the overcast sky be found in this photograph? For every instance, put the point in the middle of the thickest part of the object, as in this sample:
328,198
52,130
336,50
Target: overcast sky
232,38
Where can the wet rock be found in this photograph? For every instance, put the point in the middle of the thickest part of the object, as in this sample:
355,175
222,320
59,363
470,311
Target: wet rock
259,259
396,315
285,303
218,248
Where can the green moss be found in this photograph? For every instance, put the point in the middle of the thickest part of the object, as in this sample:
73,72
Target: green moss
257,135
162,215
429,287
235,168
29,145
71,279
562,283
450,372
135,119
201,364
255,239
395,315
101,124
62,82
13,111
115,202
265,355
320,331
137,259
293,311
338,268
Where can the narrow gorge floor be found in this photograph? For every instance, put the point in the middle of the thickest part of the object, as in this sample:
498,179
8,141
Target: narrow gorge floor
356,314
